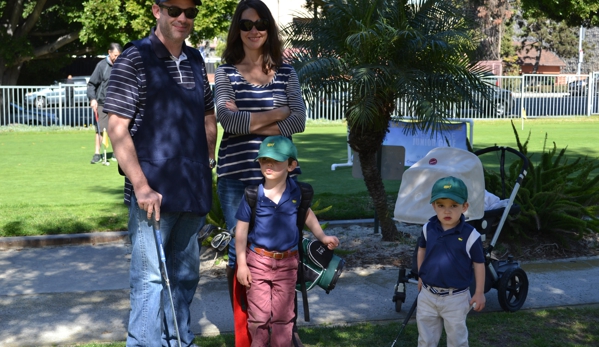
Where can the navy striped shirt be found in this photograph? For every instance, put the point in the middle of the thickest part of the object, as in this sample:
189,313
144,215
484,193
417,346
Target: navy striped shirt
126,93
238,148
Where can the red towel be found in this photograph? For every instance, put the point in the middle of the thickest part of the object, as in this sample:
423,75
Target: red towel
242,335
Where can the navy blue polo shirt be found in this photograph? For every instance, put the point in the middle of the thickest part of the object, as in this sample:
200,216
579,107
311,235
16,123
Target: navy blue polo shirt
449,254
275,225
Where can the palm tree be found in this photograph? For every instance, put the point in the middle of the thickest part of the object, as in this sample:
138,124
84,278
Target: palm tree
384,52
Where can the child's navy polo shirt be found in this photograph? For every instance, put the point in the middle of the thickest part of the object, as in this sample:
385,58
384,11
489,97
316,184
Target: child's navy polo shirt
275,225
449,254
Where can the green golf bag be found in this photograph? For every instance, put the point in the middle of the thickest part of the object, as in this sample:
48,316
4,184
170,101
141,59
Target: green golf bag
321,266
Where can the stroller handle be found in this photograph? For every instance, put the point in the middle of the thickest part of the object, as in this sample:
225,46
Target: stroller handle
512,197
523,158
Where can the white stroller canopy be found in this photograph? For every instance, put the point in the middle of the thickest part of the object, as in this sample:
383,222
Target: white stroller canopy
413,201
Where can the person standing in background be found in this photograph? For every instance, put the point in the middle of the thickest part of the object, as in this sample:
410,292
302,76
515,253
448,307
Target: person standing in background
96,93
69,91
163,130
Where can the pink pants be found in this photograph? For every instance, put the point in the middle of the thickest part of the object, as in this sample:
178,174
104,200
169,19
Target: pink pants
270,299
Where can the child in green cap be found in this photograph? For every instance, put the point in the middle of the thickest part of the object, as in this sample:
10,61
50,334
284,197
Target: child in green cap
450,253
267,255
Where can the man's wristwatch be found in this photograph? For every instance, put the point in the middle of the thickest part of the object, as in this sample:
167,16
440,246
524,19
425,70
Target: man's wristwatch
212,163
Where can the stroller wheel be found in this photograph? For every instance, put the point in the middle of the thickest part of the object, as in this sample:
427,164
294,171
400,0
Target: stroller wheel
398,306
513,289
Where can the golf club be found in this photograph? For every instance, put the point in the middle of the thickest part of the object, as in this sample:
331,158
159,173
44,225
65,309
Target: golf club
105,144
406,320
221,240
165,274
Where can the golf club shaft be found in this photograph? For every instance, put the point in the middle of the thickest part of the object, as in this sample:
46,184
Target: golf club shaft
406,320
165,274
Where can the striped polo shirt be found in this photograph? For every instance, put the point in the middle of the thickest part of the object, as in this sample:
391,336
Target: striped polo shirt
238,148
126,93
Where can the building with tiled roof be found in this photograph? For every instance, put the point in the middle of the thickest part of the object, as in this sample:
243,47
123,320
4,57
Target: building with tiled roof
549,62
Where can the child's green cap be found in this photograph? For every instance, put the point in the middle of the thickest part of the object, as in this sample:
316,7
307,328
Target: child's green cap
278,148
450,188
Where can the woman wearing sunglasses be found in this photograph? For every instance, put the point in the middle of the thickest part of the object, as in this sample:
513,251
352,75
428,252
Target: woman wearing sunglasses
257,96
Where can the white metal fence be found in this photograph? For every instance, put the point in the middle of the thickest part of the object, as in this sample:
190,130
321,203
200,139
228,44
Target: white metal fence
512,97
61,105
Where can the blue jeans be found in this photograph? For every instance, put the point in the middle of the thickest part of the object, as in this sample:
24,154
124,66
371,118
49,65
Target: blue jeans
230,193
151,319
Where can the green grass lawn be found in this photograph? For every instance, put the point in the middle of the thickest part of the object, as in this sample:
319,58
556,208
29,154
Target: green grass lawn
48,185
563,327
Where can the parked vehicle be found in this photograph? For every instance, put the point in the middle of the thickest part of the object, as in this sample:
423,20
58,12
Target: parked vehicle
580,87
499,104
16,114
502,102
56,93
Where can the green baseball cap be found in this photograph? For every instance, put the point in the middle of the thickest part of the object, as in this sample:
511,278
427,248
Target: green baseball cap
278,148
450,188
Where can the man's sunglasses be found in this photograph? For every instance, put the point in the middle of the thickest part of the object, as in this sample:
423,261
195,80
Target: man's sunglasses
247,25
174,11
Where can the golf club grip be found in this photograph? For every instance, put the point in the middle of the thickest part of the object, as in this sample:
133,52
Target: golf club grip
156,224
160,248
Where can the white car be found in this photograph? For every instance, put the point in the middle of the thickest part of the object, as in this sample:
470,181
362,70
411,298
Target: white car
55,94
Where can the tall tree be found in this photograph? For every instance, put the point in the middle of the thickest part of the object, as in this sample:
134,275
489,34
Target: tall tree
382,51
573,12
545,34
509,56
492,17
44,29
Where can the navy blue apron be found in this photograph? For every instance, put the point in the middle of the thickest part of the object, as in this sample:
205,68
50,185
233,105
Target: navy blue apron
171,139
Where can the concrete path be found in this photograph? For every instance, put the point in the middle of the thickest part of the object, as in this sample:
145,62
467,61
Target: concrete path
75,294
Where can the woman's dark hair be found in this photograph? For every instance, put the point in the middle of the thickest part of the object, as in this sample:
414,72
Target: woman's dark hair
271,50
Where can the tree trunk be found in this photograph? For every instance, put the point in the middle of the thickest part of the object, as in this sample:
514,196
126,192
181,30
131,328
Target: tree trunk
537,60
367,143
9,74
8,77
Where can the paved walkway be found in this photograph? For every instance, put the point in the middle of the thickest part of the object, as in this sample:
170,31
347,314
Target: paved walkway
74,294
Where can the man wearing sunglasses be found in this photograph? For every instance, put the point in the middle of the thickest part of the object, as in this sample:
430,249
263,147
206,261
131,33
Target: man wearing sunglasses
163,130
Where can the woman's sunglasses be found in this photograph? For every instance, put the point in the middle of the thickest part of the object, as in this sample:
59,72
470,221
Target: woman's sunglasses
174,11
247,25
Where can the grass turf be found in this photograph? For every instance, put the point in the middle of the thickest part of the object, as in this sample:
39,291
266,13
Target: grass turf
560,327
48,186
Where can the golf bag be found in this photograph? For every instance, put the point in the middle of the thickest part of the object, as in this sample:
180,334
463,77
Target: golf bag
321,266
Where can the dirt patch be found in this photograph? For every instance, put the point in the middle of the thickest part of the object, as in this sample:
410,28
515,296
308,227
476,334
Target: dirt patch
361,247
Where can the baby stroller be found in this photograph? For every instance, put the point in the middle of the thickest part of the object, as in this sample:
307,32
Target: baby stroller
413,206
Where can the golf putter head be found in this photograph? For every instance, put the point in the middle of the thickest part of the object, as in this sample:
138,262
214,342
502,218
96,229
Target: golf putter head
206,231
221,240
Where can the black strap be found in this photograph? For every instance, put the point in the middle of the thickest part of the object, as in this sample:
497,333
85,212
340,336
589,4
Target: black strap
251,195
307,193
302,213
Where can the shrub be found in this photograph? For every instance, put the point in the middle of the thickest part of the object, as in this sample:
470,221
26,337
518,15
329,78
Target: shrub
558,197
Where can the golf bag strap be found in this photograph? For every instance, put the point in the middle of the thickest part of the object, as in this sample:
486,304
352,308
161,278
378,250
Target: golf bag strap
251,196
307,193
302,212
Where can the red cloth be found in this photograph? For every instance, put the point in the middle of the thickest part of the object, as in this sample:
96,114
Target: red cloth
242,334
